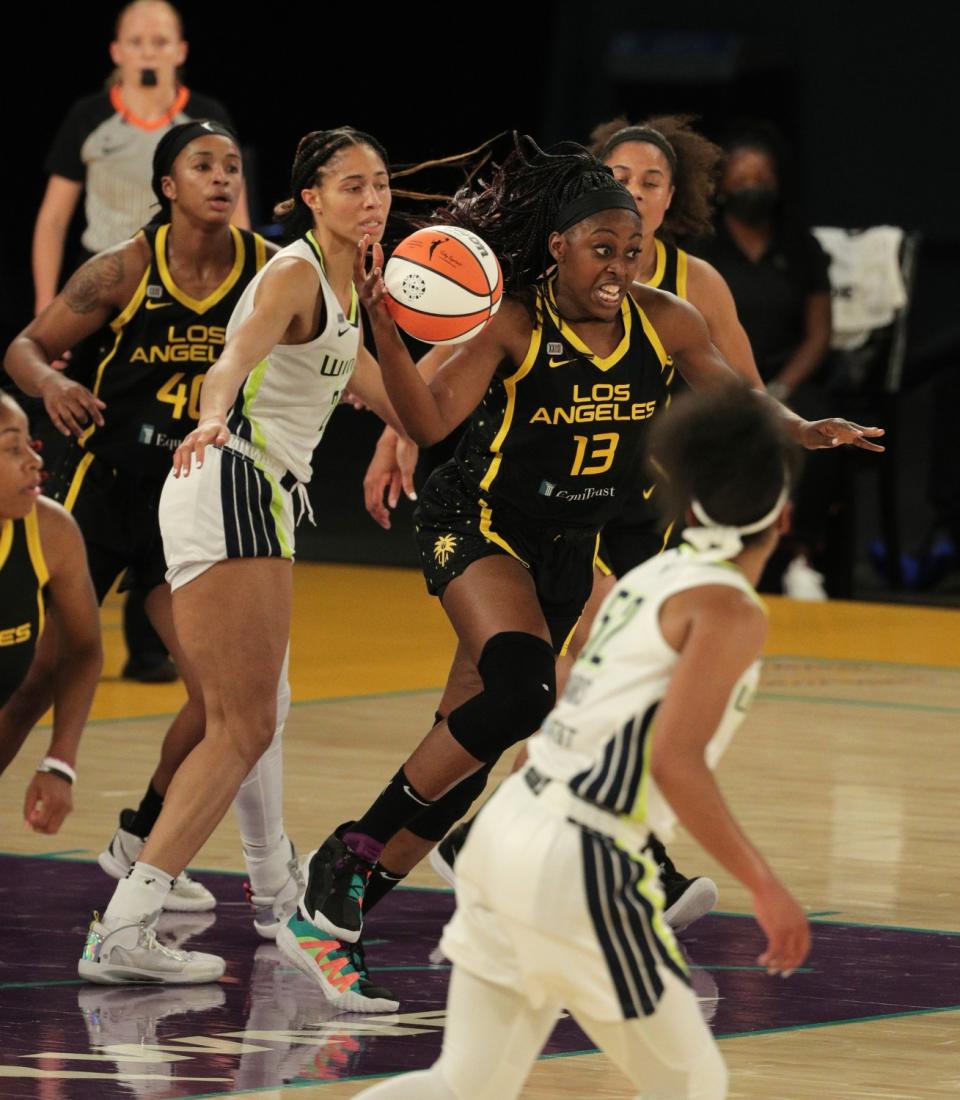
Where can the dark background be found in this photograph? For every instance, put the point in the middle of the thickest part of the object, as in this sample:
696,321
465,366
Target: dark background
868,105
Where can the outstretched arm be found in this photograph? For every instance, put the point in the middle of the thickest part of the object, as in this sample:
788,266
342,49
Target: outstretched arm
686,339
287,291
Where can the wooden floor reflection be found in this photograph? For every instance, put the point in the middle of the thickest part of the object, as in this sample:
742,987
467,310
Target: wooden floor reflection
846,773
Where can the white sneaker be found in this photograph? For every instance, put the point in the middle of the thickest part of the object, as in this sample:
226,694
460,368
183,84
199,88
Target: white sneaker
272,911
802,582
132,953
123,851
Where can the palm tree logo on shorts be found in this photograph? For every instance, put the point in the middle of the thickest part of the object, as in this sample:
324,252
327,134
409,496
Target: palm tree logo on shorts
443,548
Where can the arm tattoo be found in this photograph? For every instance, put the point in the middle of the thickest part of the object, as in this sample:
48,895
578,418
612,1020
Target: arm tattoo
88,286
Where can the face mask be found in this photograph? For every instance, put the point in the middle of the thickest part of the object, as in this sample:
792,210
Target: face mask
148,78
753,205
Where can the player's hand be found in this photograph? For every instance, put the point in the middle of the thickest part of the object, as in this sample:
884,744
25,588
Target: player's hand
368,277
819,434
390,472
786,928
49,799
69,405
208,432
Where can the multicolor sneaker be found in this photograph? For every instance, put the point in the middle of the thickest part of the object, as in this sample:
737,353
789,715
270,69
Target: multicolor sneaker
132,953
336,878
443,857
123,851
337,968
272,911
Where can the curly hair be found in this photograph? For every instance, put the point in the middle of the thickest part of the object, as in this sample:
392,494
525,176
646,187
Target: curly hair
698,163
516,212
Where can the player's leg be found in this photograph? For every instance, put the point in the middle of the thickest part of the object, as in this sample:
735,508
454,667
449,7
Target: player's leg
410,845
233,623
185,732
494,608
670,1055
272,866
491,1038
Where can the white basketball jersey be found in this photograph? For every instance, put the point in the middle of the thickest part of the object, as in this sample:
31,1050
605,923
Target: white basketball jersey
287,399
598,737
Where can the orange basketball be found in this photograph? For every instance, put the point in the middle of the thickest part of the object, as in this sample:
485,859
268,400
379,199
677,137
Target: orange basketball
443,284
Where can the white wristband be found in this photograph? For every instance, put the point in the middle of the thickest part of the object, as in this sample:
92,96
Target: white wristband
59,768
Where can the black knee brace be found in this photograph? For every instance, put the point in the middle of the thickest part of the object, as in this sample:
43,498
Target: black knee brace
435,823
519,689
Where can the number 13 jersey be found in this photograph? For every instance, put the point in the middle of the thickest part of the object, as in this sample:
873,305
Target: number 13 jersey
563,435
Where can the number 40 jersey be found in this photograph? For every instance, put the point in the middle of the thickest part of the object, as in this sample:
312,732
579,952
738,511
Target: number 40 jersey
152,358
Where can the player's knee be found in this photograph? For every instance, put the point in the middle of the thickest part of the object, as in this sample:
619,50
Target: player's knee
246,734
519,673
519,690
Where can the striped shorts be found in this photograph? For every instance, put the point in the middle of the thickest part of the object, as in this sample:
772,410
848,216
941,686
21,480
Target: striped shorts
560,912
229,508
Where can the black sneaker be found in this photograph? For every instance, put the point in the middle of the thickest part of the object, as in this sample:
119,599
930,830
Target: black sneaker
685,899
333,899
443,856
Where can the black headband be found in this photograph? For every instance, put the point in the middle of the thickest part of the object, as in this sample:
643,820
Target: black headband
644,134
173,143
592,202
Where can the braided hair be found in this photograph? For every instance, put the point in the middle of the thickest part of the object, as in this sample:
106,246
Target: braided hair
314,151
516,212
697,161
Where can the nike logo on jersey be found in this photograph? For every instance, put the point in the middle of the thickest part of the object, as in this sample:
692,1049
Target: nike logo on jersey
157,305
411,795
648,493
343,332
559,362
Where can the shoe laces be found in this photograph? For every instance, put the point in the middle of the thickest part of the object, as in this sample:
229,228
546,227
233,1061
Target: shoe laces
359,871
148,939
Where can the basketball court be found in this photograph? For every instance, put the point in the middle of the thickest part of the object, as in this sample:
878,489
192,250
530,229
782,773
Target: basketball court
845,774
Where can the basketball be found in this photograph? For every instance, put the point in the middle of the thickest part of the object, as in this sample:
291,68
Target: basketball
443,284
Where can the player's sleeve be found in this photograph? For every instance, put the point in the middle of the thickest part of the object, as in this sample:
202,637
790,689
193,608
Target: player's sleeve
64,156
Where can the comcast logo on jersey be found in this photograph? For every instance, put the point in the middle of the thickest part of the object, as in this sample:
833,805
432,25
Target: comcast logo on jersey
549,489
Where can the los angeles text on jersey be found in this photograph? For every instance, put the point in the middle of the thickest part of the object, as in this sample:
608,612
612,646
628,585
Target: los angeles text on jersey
605,402
193,344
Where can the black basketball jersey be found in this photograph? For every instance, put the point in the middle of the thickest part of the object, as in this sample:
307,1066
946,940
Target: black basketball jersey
23,574
559,437
163,342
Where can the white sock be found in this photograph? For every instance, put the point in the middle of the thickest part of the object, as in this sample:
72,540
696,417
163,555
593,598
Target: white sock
259,807
141,894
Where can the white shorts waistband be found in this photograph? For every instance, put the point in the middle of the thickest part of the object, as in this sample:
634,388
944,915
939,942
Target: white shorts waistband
557,797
